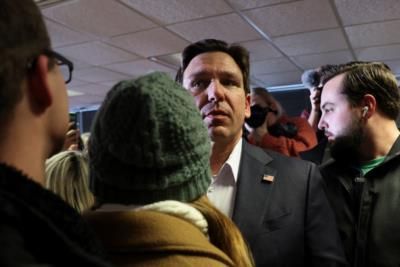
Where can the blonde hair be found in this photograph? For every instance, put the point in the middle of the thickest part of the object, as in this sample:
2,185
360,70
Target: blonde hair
224,234
67,175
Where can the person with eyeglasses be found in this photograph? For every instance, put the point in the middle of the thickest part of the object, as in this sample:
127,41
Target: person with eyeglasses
37,228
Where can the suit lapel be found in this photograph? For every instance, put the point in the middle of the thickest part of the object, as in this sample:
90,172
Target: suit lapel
253,187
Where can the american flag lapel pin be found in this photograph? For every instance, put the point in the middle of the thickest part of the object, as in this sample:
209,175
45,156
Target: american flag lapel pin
268,178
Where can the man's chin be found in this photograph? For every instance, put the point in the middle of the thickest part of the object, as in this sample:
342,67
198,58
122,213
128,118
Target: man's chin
343,151
216,132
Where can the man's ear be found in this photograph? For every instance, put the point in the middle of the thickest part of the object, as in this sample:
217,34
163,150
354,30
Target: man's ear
369,104
38,85
247,112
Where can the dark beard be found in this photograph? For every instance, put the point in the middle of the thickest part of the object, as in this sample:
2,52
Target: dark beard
346,148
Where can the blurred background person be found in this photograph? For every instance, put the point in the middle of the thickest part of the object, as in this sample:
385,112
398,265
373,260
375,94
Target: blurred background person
311,80
149,171
67,175
268,126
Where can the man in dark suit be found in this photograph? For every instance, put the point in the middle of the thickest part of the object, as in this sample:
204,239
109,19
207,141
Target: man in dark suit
277,202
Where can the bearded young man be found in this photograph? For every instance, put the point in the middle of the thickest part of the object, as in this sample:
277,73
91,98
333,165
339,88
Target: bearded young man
360,102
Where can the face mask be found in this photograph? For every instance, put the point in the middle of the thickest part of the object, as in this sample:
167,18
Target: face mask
257,117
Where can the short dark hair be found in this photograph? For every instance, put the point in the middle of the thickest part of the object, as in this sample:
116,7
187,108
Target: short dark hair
23,36
375,78
239,54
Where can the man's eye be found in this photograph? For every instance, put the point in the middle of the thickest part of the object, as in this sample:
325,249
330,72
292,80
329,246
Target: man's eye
199,85
230,83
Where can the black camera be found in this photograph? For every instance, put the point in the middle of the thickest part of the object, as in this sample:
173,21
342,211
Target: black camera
258,115
288,130
73,117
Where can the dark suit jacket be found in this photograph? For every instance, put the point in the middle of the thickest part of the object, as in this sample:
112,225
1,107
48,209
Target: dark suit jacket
287,222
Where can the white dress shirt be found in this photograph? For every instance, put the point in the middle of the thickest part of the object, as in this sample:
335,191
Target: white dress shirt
222,190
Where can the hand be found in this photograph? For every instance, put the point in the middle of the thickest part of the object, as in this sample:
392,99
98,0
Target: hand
315,99
71,137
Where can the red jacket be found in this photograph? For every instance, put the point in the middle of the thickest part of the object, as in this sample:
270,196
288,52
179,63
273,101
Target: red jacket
305,139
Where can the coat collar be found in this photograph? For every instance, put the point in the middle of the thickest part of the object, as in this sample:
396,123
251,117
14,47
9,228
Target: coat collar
145,232
33,201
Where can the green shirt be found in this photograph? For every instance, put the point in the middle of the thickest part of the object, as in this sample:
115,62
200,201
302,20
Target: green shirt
365,167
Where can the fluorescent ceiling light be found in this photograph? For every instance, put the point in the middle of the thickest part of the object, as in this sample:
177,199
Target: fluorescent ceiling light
74,93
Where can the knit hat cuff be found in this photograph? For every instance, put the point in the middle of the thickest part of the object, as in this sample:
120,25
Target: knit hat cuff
185,192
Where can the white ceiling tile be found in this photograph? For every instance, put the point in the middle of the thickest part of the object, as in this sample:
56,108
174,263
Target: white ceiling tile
93,89
78,64
77,102
394,65
374,34
100,17
272,66
98,75
61,35
110,84
150,43
96,53
230,28
138,68
311,43
76,82
295,17
280,79
172,11
261,50
247,4
379,53
316,60
364,11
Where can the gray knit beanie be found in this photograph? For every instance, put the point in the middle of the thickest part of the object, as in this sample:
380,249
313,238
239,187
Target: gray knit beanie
148,143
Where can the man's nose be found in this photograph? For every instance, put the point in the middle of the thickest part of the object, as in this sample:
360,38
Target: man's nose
322,124
215,91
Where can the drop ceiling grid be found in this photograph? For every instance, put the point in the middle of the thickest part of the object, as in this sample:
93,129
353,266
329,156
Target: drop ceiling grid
104,18
335,57
154,42
119,35
353,12
230,27
295,17
167,12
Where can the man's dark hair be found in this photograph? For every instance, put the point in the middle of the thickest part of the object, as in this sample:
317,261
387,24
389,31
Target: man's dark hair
23,36
239,54
373,78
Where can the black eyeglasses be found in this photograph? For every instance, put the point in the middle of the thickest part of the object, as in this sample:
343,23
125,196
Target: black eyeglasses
65,65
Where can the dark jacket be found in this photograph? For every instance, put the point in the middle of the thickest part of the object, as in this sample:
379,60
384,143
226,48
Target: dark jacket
37,228
373,239
287,222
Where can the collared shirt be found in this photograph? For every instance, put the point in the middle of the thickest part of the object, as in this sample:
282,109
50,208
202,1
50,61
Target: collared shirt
222,190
